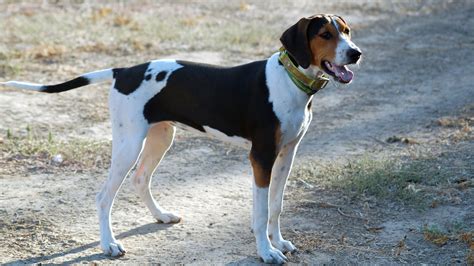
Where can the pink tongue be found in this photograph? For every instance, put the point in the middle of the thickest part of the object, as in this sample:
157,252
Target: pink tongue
343,73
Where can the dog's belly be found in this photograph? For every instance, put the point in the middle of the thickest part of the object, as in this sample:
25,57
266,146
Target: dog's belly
235,140
216,134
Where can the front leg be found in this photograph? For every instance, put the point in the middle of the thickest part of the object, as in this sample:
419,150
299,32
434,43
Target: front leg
262,166
280,173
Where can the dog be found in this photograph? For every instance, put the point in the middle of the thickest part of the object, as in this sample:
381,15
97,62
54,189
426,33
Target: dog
263,105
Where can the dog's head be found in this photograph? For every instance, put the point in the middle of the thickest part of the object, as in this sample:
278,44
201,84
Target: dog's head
323,41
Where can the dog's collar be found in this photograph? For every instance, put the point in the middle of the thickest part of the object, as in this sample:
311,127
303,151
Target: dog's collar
308,85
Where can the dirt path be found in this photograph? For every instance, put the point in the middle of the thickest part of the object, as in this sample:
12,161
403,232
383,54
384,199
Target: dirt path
416,70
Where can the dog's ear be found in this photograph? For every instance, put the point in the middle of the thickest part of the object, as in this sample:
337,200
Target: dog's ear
296,40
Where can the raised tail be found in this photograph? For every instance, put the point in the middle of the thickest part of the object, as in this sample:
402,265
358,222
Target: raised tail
83,80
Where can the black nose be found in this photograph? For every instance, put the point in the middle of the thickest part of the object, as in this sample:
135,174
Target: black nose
354,55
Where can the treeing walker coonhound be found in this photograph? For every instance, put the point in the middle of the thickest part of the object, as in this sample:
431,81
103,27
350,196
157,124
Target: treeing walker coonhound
263,105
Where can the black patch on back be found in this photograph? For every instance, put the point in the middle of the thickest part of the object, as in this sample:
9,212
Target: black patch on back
127,80
231,100
148,77
160,76
68,85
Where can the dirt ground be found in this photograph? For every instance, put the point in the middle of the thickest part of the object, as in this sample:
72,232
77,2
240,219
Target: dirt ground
412,97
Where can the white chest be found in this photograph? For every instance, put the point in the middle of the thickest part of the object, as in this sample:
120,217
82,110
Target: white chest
289,103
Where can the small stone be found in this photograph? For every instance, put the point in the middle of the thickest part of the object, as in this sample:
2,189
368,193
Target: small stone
57,159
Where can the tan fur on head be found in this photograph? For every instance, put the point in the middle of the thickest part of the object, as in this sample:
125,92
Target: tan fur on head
325,50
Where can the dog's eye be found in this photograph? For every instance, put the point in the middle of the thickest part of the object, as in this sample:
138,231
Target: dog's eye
347,31
326,35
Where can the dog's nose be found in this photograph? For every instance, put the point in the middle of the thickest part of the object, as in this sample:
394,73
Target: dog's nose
354,55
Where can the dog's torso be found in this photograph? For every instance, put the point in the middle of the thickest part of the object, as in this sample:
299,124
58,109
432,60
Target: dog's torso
250,103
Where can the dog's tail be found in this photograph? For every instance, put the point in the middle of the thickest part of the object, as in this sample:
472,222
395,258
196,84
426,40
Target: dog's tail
83,80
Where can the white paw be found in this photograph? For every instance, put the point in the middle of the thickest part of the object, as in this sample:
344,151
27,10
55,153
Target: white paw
272,255
168,218
114,248
284,246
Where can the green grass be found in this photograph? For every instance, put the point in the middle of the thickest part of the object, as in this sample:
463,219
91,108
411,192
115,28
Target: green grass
405,180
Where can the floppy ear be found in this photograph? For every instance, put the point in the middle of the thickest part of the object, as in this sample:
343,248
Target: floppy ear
295,41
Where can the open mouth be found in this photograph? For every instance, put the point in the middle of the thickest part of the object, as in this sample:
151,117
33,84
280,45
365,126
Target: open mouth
339,73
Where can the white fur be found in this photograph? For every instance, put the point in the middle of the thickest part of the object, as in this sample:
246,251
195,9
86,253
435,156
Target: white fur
265,250
93,77
23,85
238,141
343,46
99,76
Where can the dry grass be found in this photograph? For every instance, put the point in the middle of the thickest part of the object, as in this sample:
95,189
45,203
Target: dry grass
33,152
117,29
435,235
455,233
79,32
421,180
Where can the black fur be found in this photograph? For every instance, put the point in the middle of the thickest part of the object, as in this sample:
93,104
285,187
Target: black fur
68,85
161,76
231,100
127,80
315,26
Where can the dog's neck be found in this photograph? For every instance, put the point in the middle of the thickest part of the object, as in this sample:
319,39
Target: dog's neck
312,71
307,80
282,85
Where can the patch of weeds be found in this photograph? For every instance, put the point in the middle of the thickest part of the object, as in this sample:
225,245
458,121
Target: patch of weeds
42,152
458,227
404,180
456,233
435,235
7,69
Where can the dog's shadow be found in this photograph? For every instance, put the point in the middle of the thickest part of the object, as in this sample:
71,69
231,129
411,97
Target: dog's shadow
141,230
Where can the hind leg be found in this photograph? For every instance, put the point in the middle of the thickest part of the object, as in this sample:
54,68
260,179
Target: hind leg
125,151
158,141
